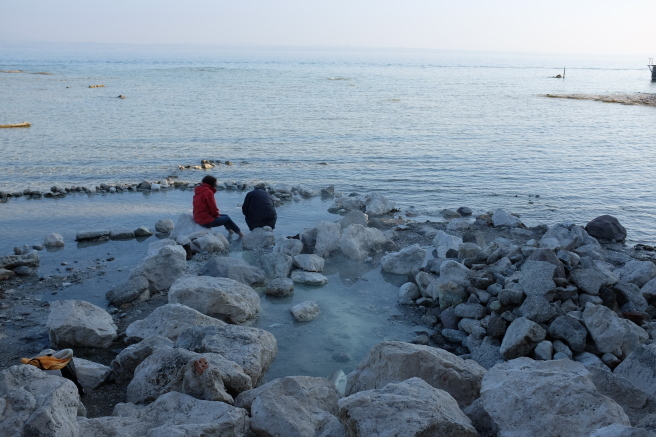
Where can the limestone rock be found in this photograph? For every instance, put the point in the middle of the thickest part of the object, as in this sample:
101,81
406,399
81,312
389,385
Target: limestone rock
444,242
53,240
408,408
309,262
637,272
162,268
164,226
394,361
252,348
328,237
358,241
308,278
172,369
404,262
293,406
258,239
222,298
73,323
605,328
169,321
305,311
289,246
233,268
640,368
570,330
91,375
35,403
521,338
92,235
128,359
546,398
376,204
279,287
276,265
135,288
502,218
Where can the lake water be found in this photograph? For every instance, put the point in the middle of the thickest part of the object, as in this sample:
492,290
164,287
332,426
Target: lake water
430,130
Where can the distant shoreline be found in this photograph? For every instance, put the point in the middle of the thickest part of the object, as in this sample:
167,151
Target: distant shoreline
624,99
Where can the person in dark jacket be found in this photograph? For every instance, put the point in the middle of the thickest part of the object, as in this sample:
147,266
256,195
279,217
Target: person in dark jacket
258,209
206,213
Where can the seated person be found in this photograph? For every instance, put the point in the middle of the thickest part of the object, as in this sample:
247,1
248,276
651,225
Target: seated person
258,209
206,213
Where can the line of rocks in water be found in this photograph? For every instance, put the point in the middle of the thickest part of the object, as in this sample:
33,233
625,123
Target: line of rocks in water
535,331
646,99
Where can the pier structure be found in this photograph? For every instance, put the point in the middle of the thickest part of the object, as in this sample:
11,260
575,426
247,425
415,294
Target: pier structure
652,67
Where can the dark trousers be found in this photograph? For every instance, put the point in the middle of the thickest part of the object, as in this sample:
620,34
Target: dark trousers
223,220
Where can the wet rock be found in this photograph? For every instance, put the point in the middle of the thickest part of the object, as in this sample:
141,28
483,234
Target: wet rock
328,237
502,218
37,404
305,311
164,226
209,242
233,268
409,408
276,265
279,287
309,262
121,234
92,235
408,293
135,288
606,227
289,246
393,361
358,241
54,240
169,321
308,278
353,217
142,231
258,239
252,348
223,298
527,397
162,268
11,261
73,323
376,204
407,261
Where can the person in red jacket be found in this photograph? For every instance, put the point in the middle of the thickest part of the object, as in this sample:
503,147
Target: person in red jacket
206,213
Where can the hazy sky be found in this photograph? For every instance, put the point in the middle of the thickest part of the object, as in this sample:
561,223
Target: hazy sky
556,26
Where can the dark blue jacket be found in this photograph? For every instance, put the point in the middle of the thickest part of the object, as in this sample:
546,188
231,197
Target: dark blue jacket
259,210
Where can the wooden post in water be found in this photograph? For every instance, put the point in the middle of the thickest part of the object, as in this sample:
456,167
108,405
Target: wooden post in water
652,67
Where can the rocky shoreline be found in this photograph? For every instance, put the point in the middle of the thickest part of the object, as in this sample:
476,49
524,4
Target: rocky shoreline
542,330
624,99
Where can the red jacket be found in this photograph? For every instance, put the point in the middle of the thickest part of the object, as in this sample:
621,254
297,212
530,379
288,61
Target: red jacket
205,209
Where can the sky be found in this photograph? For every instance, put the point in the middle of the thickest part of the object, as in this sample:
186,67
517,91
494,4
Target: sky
541,26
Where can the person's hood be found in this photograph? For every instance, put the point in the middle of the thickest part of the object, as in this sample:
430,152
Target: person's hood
204,187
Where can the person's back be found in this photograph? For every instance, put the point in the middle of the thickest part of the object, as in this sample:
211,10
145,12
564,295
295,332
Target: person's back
259,209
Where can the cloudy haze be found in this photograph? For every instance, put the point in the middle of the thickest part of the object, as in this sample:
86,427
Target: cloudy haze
555,26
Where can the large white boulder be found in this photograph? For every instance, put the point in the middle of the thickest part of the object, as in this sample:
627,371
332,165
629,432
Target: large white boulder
407,261
223,298
74,323
305,311
410,408
252,348
395,361
328,238
309,262
376,204
258,239
175,369
172,414
34,403
276,265
293,406
444,242
162,268
546,398
358,241
169,321
128,359
53,240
